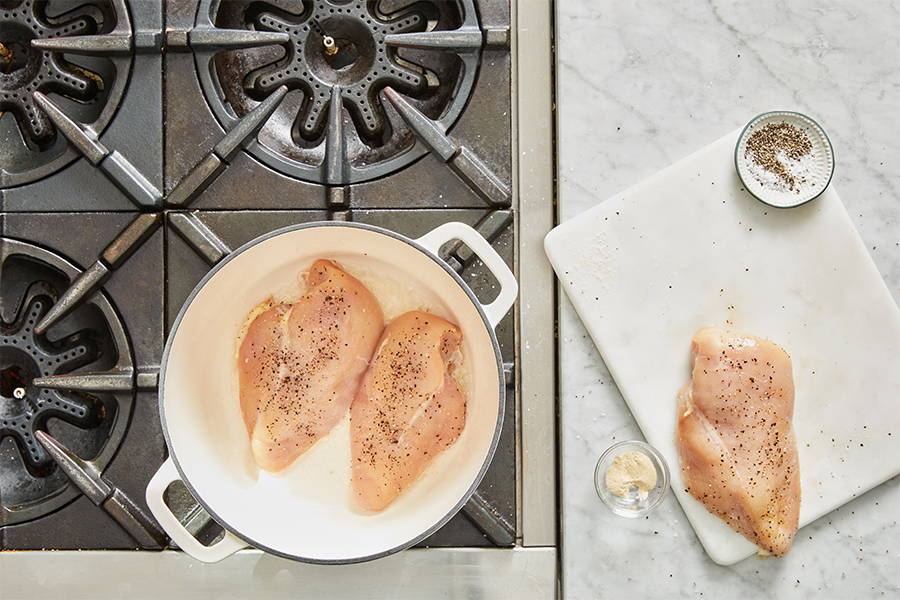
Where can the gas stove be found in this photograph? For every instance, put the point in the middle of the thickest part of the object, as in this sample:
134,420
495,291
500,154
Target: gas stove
143,142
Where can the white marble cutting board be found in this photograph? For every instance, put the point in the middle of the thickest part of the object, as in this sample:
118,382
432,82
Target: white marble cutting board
688,248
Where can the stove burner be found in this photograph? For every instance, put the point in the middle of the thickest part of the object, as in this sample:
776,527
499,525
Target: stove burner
24,356
368,49
28,69
358,61
91,338
91,86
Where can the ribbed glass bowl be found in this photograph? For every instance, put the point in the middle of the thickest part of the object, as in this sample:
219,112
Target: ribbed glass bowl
821,163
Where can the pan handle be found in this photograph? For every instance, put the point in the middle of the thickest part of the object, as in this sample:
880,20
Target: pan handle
227,546
509,288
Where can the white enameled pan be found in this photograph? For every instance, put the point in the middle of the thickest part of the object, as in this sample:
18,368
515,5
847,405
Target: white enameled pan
306,513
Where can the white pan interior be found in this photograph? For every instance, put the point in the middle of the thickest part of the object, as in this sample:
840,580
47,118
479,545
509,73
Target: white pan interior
307,511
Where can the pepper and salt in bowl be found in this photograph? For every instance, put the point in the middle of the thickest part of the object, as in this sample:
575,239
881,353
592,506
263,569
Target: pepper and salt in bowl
784,159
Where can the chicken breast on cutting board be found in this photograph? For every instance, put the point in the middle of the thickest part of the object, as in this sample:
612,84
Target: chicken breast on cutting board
408,409
735,439
300,364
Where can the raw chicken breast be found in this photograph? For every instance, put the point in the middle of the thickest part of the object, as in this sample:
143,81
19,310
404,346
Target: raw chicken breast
408,409
300,364
737,447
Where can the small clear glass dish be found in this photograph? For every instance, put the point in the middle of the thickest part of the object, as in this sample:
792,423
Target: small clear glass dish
634,505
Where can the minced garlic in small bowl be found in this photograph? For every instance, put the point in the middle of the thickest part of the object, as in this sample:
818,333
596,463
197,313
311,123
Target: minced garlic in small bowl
631,478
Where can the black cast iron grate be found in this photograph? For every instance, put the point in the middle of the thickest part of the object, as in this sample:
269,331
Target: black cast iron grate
92,423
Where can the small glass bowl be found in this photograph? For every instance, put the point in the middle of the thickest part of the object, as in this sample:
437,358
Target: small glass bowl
631,507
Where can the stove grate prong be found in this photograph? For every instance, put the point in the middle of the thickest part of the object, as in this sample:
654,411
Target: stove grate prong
199,236
464,39
250,124
336,164
109,381
117,252
197,179
207,169
85,474
497,37
337,197
490,226
486,518
87,477
119,170
430,132
233,39
85,141
147,379
112,43
80,289
459,158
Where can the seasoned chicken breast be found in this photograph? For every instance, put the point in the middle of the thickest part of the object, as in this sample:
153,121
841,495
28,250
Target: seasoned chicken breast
300,364
735,439
408,409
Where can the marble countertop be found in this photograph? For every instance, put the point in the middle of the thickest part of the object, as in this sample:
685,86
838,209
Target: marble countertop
640,85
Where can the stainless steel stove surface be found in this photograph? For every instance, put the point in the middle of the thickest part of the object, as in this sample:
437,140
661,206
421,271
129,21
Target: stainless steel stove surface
142,142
